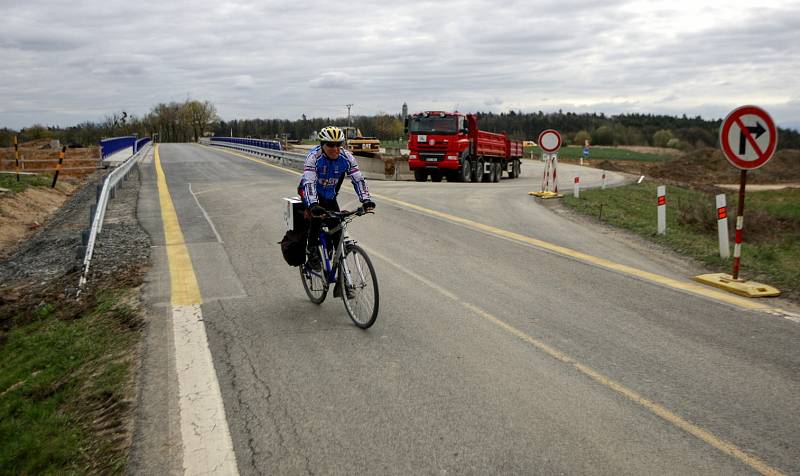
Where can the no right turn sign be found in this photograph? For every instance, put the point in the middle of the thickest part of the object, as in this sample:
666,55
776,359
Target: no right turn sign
748,137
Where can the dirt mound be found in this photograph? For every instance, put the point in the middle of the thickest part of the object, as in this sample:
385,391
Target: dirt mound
708,166
21,214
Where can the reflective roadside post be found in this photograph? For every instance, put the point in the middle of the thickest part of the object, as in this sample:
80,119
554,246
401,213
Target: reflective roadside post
722,227
662,209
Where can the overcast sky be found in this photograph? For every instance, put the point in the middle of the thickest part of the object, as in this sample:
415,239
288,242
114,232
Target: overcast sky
65,62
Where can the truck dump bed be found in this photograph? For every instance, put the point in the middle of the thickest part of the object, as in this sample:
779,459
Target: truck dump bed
490,144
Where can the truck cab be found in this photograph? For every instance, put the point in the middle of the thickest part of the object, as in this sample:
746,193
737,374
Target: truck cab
438,142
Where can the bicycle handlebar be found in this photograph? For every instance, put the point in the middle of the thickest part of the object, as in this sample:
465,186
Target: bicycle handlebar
344,214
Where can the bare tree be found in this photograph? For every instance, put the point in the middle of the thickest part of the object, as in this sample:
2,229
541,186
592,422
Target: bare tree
201,115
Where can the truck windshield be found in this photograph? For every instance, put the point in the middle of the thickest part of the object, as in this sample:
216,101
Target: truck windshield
431,124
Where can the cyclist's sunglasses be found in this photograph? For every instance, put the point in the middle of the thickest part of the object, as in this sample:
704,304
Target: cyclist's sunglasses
333,144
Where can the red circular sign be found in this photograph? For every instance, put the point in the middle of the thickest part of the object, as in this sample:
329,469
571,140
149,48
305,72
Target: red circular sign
748,137
550,140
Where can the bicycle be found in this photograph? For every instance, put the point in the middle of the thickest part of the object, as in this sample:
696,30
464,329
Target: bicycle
347,266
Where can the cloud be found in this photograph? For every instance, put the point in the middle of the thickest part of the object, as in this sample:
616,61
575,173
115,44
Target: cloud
71,62
493,102
335,80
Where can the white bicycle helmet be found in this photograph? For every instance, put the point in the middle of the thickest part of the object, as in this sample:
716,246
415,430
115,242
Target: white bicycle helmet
331,134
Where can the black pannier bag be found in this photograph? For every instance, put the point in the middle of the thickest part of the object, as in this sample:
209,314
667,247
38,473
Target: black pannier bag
293,247
293,244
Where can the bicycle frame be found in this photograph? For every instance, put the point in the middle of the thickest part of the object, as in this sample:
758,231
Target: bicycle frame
331,265
354,279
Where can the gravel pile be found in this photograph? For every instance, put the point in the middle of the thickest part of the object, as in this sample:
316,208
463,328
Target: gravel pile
47,267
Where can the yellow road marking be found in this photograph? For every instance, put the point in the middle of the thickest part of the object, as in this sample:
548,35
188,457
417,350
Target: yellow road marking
586,258
661,411
687,285
205,437
185,291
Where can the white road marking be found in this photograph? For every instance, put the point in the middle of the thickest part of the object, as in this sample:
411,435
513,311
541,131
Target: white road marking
207,445
208,218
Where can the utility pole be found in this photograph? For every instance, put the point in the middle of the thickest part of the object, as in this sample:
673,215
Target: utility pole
348,113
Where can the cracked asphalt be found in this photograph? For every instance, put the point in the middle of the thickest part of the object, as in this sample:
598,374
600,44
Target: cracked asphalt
477,363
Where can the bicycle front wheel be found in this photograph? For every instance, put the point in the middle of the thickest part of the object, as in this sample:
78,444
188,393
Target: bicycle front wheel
314,283
359,286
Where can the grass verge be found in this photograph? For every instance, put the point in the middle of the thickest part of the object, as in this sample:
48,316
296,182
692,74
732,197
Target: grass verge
601,153
771,249
9,181
64,377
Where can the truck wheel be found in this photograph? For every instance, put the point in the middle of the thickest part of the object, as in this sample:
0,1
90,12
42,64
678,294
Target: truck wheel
477,173
484,176
512,172
436,176
465,173
517,168
497,172
420,175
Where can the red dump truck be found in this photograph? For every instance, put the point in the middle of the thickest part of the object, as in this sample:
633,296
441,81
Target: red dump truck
449,144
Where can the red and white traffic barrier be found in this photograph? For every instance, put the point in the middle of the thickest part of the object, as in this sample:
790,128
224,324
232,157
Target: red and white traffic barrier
546,175
555,175
722,227
662,209
577,187
550,170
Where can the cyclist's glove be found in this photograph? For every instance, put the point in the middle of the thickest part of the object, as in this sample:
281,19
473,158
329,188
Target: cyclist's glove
369,205
315,211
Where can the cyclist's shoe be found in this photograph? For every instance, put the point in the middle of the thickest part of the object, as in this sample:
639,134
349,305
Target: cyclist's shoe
314,260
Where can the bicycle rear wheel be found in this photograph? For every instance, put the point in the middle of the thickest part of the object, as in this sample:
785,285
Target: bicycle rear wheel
314,283
360,294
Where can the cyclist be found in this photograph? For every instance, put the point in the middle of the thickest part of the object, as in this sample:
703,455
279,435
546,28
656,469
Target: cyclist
325,168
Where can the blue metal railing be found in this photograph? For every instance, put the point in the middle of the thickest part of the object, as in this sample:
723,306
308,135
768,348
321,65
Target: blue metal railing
262,143
140,143
116,144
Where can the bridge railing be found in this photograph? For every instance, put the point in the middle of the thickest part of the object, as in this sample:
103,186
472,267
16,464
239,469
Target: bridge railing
113,145
260,147
107,192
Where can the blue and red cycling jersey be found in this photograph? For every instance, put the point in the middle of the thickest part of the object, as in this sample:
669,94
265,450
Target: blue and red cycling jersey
322,177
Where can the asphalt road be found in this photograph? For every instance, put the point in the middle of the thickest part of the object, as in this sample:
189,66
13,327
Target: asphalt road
491,354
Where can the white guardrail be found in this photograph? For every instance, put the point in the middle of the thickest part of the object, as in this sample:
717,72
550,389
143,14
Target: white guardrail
291,159
108,191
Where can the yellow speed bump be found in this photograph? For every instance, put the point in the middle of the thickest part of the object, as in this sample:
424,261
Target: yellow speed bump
743,288
546,194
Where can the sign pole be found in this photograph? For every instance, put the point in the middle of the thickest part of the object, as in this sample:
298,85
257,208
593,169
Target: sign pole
748,138
737,248
16,157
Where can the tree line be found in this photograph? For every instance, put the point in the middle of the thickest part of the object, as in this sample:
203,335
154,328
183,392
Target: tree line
167,122
190,120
